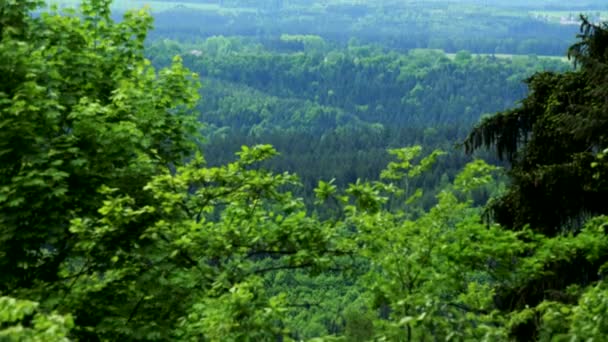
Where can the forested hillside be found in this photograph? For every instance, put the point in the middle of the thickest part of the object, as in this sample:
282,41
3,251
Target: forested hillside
513,27
413,193
348,104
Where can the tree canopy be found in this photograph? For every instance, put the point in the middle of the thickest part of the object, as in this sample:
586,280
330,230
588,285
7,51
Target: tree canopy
551,140
113,226
555,142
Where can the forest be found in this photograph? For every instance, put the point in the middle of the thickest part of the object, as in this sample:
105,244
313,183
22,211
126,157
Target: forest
303,170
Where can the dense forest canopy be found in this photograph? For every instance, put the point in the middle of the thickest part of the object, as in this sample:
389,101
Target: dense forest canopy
349,103
140,199
513,27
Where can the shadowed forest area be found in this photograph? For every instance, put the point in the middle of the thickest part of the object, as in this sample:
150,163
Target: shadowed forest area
303,170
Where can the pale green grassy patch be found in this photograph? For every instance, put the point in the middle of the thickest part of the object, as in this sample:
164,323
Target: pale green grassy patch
509,56
556,16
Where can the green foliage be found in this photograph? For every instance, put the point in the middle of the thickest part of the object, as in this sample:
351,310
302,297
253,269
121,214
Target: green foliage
479,26
396,170
433,277
359,325
551,140
554,143
349,104
207,240
474,175
311,43
110,214
22,321
80,108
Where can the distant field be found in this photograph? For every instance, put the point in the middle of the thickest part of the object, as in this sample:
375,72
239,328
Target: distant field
155,5
556,16
559,14
504,55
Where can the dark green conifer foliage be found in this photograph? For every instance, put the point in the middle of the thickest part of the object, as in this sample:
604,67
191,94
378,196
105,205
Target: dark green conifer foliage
551,140
555,142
